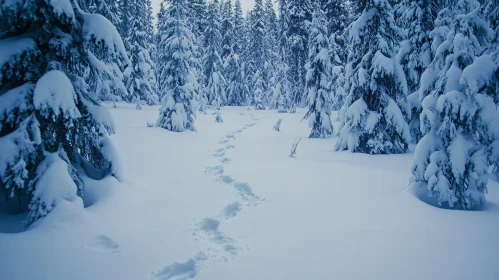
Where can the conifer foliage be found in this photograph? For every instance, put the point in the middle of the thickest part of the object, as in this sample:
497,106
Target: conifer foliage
52,131
318,78
372,120
177,79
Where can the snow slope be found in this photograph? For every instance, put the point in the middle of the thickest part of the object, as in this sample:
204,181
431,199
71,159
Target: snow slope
227,202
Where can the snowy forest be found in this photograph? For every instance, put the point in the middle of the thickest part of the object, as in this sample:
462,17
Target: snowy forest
100,100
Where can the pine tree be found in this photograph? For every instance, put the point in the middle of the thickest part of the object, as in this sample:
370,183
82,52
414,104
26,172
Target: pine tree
415,53
212,63
178,82
371,119
237,89
140,78
107,8
197,21
52,132
271,48
458,120
318,74
299,16
226,30
239,32
337,17
257,56
282,89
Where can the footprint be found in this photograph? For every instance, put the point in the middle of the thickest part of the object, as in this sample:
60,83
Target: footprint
182,271
231,210
219,153
216,170
239,131
227,179
224,141
209,225
104,243
230,147
230,136
244,190
225,160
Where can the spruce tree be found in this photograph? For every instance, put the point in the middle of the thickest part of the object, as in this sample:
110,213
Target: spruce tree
415,54
212,63
371,118
257,56
299,17
318,74
140,78
459,119
178,81
226,30
52,131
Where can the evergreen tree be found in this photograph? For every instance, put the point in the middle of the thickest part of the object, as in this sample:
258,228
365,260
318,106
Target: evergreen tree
337,18
415,53
212,63
226,30
300,16
257,56
178,82
318,74
371,119
197,16
52,132
282,89
271,48
459,120
140,78
237,89
107,8
239,31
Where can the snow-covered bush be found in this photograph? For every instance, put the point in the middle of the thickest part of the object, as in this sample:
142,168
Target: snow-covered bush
52,130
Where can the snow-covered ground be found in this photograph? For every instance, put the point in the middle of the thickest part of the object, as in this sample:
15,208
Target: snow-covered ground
227,202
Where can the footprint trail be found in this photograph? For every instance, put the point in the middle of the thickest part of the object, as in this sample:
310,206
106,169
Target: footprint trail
219,246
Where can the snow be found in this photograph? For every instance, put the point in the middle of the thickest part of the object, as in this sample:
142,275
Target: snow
476,75
54,93
63,7
259,215
12,47
99,28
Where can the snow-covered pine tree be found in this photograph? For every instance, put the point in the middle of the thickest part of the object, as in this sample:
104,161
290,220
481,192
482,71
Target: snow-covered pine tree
318,76
337,18
239,43
371,119
271,49
178,82
415,54
196,14
212,63
139,76
459,120
256,59
226,30
107,8
282,89
52,132
237,89
299,17
492,85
